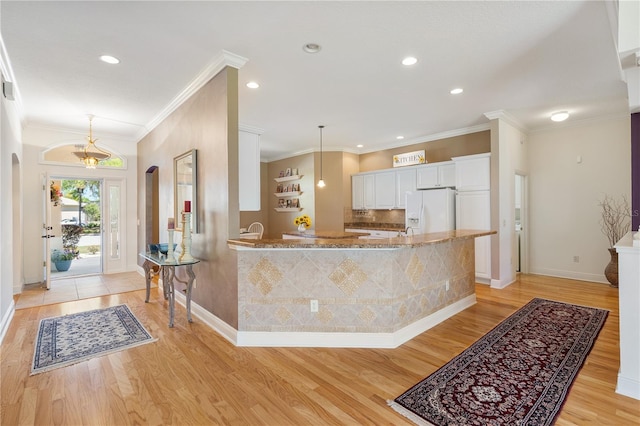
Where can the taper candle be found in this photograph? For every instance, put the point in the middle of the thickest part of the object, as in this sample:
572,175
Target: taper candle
171,224
187,206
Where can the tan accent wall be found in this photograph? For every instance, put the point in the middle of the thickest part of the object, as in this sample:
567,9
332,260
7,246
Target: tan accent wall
208,122
281,222
435,151
329,200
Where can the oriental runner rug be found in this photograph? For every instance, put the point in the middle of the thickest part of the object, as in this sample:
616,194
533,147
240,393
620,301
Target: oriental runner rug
517,374
70,339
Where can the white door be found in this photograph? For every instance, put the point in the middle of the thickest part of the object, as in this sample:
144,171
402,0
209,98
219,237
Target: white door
51,229
113,221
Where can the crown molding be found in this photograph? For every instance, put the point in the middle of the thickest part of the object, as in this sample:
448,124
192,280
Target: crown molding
250,129
577,123
505,116
224,59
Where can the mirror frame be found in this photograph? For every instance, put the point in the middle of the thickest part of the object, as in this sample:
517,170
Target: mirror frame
181,192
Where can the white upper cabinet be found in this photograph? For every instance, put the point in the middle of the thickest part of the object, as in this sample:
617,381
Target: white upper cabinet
436,175
385,190
473,172
369,184
249,170
357,192
405,181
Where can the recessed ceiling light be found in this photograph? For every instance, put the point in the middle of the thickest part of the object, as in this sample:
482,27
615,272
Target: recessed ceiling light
409,60
109,59
456,91
399,137
311,47
252,85
559,116
359,145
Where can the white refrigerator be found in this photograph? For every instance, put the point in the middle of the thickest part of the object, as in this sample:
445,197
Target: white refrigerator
431,210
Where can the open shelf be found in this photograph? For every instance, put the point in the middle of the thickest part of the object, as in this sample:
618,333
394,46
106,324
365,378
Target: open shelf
287,194
287,178
290,209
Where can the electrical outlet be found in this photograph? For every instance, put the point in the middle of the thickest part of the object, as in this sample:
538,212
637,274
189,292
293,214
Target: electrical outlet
446,285
313,304
576,259
195,283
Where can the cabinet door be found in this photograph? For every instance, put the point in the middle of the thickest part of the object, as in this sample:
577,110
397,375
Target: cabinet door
447,175
369,191
385,190
473,173
405,181
473,211
249,171
357,192
427,177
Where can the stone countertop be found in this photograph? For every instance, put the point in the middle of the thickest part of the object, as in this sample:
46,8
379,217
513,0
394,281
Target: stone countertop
332,235
382,226
354,243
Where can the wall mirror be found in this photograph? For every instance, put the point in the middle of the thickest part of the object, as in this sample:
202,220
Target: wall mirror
185,188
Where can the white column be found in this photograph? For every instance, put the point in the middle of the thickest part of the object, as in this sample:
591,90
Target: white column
629,300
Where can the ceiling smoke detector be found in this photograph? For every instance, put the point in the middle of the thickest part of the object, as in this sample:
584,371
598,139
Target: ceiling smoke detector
311,48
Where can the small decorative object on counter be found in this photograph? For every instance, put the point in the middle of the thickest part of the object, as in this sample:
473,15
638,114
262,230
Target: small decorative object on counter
185,256
303,222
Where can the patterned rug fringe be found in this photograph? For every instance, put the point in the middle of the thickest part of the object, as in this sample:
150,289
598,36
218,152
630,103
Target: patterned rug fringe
408,414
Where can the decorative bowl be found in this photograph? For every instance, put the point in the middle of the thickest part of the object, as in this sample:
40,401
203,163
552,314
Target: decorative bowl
161,247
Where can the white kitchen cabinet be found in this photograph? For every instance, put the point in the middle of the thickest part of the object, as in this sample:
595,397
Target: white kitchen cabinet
249,171
369,185
473,172
473,211
436,175
405,181
374,234
385,190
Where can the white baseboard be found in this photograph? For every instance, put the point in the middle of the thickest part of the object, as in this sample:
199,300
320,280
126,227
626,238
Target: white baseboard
572,275
215,323
628,387
6,320
501,284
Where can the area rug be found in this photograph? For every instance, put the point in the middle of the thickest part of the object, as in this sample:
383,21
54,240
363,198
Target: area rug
517,374
70,339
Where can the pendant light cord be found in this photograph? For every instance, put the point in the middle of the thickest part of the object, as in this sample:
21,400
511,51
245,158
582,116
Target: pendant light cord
321,127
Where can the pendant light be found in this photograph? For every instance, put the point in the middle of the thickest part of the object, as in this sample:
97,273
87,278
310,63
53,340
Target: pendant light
91,155
321,183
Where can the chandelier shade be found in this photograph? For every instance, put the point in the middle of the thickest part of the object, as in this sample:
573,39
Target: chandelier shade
91,155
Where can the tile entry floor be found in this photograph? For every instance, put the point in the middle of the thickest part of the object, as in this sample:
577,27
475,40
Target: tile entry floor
81,287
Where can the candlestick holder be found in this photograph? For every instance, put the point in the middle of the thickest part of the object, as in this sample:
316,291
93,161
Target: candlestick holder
170,256
185,256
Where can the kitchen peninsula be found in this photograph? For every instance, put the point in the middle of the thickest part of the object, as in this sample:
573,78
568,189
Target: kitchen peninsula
351,292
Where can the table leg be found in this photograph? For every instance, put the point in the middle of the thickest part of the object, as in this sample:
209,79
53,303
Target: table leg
164,271
192,276
171,291
147,277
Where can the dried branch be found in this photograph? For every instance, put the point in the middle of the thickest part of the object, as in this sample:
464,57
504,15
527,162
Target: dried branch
616,218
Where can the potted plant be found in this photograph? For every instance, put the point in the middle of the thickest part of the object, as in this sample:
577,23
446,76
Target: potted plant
615,223
62,259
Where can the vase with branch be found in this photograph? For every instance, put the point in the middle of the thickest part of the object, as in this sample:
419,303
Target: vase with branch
615,222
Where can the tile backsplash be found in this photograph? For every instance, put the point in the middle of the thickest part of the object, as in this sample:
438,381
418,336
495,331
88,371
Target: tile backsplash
374,216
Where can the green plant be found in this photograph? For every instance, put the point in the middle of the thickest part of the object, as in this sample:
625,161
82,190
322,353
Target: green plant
93,249
61,255
70,237
615,219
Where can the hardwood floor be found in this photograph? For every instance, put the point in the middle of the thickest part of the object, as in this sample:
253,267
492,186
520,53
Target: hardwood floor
194,376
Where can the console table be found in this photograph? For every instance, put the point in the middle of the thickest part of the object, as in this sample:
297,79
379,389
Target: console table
168,273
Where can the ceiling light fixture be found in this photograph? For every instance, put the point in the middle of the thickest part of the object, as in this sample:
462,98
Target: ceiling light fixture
321,183
311,47
252,85
109,59
91,155
559,116
456,91
400,137
409,60
359,145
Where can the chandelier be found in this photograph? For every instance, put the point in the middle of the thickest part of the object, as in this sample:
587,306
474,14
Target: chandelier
91,155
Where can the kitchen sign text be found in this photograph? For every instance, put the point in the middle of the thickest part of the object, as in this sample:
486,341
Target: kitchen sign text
409,159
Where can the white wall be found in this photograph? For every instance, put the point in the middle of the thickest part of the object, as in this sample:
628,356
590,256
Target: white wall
35,140
564,194
11,167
